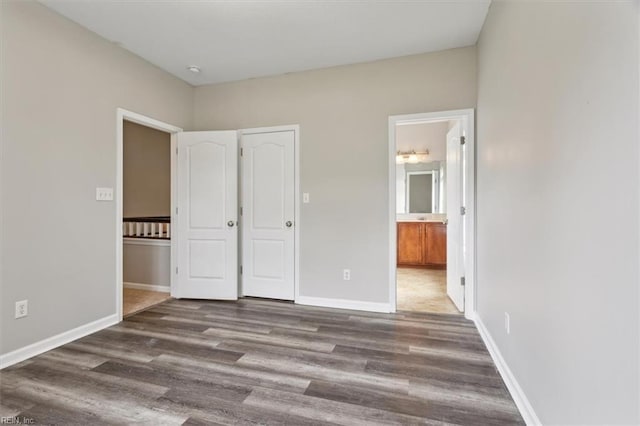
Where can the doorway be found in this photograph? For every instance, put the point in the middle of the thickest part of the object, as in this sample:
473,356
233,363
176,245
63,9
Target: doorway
146,217
431,181
144,211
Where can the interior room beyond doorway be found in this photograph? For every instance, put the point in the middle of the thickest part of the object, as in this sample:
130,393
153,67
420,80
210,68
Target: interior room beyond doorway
146,226
422,186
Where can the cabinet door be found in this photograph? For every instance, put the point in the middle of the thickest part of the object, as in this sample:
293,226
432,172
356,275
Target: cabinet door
436,244
410,243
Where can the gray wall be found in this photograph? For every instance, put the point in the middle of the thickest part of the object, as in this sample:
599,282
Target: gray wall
424,136
147,171
343,115
557,94
146,264
61,85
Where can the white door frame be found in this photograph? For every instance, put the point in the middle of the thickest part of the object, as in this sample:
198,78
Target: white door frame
121,116
467,117
296,199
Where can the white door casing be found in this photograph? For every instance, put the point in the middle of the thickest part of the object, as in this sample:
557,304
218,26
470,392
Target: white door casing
268,217
207,215
455,259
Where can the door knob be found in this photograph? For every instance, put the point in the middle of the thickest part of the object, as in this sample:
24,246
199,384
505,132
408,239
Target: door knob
289,224
230,224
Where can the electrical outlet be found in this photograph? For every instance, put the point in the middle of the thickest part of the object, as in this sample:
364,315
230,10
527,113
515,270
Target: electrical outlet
507,323
22,308
346,274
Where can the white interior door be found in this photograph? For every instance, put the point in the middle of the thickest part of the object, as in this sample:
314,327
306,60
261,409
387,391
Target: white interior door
207,203
268,214
455,263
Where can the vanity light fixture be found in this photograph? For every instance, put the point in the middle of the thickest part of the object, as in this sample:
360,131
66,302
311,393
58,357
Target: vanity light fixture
194,69
411,156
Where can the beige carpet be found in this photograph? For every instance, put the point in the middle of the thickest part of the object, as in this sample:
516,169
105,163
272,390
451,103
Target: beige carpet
137,300
423,290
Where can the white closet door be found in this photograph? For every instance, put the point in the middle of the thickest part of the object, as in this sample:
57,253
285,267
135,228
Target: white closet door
455,264
207,215
268,214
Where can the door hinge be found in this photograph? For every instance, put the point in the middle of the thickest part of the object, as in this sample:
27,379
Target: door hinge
463,210
176,210
463,281
176,150
240,269
241,152
240,211
463,140
176,270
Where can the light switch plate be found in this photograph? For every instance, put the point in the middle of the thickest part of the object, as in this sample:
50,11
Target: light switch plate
305,197
104,194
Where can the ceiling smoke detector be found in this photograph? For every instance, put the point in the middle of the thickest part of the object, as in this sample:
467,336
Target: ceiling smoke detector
194,69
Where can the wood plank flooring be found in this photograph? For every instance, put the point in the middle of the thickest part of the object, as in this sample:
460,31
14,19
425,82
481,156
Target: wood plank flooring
264,362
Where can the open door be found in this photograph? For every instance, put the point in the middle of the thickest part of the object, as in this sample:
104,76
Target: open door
207,200
455,264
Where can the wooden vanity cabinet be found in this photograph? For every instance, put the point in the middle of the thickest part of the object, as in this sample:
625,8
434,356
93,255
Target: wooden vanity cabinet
436,244
411,243
422,244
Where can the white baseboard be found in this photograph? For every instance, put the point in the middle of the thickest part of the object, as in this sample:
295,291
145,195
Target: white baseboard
146,242
150,287
53,342
518,395
343,304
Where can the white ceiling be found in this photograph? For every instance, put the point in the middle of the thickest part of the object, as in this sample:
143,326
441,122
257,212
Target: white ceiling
236,40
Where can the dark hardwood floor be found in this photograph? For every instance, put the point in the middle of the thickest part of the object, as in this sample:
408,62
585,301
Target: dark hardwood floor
263,362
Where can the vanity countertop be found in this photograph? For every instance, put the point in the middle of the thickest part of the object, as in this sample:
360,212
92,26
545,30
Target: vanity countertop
424,217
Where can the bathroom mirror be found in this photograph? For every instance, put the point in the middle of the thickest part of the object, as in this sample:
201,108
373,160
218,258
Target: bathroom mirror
420,188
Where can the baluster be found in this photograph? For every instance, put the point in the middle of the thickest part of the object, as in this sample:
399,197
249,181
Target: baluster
138,229
168,230
130,225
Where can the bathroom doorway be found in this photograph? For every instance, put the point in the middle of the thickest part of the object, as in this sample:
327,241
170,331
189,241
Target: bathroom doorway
431,230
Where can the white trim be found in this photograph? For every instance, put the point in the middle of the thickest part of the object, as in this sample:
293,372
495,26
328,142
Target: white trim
468,130
53,342
392,206
296,202
343,304
146,242
121,115
149,287
173,256
518,395
147,121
